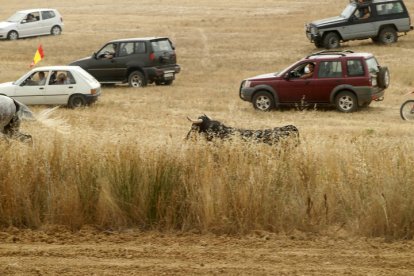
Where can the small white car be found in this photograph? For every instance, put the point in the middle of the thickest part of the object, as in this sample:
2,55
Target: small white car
32,23
55,85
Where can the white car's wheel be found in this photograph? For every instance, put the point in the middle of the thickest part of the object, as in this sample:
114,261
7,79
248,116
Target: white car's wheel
76,101
56,30
13,35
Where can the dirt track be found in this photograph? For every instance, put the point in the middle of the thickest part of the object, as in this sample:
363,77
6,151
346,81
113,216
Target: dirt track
88,252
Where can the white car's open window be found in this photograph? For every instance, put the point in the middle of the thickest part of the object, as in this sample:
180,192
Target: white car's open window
36,79
61,78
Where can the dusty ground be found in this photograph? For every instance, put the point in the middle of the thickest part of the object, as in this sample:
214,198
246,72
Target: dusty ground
55,250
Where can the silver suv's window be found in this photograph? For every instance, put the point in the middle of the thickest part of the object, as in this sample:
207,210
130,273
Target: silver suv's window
372,65
161,45
355,68
330,69
389,8
48,14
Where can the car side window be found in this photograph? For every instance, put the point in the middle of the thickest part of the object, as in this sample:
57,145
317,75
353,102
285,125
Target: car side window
47,15
126,49
31,17
61,78
140,47
363,13
36,79
389,8
330,69
355,68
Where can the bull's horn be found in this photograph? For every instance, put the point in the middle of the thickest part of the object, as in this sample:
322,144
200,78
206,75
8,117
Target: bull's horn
198,121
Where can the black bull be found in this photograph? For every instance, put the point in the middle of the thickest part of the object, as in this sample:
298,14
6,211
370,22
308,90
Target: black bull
211,129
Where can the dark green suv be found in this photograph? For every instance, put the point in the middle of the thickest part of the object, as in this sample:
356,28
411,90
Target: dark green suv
136,61
380,20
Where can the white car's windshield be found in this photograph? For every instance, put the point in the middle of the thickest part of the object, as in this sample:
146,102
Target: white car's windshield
17,17
348,11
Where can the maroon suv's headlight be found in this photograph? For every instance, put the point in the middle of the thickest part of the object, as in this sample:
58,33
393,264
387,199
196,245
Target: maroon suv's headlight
246,83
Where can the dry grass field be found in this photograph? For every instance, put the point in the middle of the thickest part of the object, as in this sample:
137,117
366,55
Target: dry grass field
123,164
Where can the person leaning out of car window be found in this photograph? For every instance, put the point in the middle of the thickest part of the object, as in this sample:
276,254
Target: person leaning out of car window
308,71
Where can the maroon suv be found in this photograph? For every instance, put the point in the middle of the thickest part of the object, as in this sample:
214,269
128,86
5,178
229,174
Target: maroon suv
344,79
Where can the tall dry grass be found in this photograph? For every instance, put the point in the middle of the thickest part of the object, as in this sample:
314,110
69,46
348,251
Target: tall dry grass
219,187
123,163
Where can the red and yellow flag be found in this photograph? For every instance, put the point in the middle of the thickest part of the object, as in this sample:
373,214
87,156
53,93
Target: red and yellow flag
38,56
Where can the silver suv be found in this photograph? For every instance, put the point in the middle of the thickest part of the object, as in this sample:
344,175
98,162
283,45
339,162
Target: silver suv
380,20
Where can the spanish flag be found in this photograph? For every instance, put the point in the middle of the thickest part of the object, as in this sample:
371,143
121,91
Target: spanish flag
38,56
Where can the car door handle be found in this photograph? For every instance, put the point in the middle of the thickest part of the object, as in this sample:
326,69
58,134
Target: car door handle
70,87
41,88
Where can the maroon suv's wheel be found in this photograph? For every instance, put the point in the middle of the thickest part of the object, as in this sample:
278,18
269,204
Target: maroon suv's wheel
346,102
263,101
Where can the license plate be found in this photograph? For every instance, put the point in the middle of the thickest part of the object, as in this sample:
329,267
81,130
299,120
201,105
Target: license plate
168,75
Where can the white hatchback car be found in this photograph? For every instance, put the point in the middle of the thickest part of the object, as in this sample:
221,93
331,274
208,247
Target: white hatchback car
56,85
32,23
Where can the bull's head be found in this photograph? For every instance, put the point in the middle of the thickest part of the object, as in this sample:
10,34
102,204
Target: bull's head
201,124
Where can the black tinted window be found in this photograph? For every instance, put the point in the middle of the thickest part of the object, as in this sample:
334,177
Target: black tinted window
389,8
140,47
47,14
355,68
330,69
126,49
161,45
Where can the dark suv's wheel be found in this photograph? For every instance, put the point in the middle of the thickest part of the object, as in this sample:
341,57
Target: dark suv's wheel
387,35
12,35
263,101
346,102
137,79
76,101
331,41
383,77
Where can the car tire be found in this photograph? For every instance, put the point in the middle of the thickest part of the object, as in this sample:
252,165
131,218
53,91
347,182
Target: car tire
13,35
76,101
388,35
331,40
346,102
136,79
263,101
383,77
56,30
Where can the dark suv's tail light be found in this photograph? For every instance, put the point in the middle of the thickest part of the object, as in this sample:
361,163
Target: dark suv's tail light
152,56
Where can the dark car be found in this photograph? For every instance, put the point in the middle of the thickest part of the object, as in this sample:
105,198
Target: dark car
344,79
380,20
138,61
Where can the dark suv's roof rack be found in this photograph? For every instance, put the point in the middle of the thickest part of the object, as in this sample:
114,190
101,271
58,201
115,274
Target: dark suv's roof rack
331,52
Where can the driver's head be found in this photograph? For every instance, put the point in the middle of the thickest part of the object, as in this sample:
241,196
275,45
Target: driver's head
311,66
41,75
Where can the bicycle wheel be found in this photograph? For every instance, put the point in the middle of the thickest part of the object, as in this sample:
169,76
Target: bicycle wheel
407,110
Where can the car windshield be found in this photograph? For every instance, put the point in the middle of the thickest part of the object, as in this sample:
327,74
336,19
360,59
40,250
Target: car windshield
372,65
17,17
348,11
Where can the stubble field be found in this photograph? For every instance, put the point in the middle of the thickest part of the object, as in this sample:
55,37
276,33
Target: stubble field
326,207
